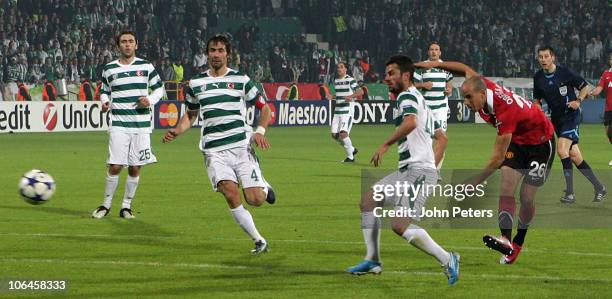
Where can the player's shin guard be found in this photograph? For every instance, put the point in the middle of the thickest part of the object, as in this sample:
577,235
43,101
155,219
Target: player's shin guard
245,221
420,239
370,226
586,170
131,184
112,181
507,205
526,214
568,174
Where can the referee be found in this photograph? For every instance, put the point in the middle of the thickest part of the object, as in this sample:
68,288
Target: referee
555,84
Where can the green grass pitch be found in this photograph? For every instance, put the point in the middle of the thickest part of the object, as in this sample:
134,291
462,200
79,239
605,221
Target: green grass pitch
185,243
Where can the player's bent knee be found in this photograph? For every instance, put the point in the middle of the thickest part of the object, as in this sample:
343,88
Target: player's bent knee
254,196
367,203
399,227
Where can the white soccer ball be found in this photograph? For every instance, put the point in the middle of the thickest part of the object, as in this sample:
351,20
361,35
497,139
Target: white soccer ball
36,187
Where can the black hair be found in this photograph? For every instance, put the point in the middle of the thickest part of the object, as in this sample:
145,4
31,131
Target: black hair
404,63
124,32
219,38
547,48
434,43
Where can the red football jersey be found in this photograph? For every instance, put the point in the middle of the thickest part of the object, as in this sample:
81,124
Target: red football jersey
511,113
606,83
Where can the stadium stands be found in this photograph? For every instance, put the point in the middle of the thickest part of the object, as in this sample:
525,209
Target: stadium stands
47,40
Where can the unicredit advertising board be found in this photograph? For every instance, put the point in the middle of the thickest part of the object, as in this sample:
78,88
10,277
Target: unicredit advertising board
21,117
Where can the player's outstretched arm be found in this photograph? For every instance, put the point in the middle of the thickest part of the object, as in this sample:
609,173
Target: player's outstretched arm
183,125
408,124
452,66
502,142
595,92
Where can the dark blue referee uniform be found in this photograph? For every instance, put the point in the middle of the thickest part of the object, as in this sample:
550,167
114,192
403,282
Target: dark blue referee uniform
558,89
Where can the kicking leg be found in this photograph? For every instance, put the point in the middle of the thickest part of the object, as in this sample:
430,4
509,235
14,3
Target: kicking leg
370,226
242,216
509,180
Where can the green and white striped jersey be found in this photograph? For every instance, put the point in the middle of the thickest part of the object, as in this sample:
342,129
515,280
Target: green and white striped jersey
435,97
222,103
344,87
415,150
123,85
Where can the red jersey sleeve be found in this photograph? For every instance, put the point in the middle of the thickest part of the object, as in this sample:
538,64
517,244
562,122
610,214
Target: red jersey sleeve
603,81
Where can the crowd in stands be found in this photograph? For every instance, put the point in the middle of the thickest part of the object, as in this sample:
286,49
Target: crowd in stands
72,39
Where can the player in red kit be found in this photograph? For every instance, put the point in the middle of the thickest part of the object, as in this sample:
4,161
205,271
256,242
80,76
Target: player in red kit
605,83
524,149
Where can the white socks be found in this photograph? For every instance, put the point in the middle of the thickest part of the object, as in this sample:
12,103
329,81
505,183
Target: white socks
245,220
370,225
131,184
420,239
109,189
348,146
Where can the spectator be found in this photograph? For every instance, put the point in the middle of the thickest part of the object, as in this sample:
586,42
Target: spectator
23,69
177,66
187,69
48,70
200,60
35,75
167,72
60,68
73,71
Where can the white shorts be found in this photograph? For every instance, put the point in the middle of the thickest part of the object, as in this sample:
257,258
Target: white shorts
132,149
13,89
341,123
412,176
238,165
440,117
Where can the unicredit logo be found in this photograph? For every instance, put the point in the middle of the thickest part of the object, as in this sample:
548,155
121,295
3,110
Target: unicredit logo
50,117
168,115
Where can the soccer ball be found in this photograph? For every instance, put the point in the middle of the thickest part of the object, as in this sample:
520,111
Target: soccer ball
36,187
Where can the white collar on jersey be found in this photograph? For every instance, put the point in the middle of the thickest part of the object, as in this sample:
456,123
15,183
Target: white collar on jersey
490,101
226,72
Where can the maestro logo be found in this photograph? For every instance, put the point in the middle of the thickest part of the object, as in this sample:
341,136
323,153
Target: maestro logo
168,115
50,117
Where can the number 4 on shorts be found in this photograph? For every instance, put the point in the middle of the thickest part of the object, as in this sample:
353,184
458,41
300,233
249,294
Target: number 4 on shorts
254,176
